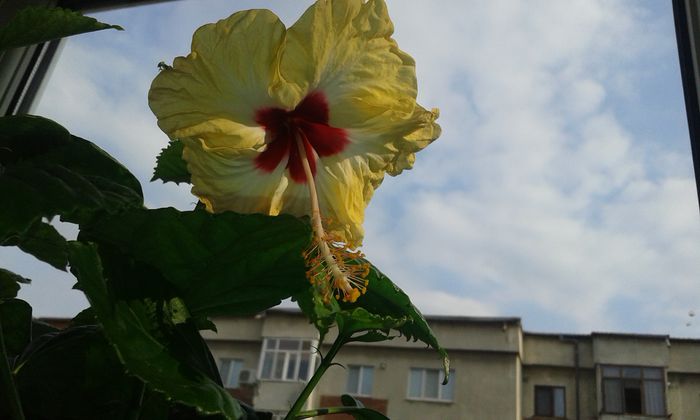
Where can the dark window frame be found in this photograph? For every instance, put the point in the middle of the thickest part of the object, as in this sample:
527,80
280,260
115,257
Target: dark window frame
621,379
550,413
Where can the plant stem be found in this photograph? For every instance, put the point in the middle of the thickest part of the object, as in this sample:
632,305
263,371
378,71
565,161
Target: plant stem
325,364
8,383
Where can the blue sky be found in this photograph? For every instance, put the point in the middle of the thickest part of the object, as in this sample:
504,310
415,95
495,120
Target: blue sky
561,190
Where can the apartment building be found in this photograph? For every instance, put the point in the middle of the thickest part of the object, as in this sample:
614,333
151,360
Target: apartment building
498,371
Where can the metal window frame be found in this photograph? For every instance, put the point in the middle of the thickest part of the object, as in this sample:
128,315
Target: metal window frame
686,15
360,376
620,380
550,389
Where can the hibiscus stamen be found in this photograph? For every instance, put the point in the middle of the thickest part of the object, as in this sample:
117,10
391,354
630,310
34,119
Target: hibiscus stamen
332,267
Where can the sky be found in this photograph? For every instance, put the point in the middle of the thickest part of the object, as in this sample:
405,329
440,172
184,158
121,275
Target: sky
561,190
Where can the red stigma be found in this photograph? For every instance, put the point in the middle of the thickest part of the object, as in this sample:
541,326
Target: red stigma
308,122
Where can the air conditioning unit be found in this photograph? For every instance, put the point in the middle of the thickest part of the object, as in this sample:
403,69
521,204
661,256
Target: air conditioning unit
247,376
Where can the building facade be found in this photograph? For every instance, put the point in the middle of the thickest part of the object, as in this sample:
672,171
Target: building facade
498,371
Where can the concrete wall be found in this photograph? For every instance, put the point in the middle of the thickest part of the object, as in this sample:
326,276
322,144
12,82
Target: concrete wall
559,376
485,384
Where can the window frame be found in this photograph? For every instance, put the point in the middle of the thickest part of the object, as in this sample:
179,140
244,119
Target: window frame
621,378
551,389
358,391
441,376
299,352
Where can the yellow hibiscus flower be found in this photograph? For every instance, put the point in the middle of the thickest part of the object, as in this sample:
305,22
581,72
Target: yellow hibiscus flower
304,120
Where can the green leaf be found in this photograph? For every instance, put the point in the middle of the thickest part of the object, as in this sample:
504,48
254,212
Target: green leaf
40,328
363,413
33,25
44,242
385,298
321,315
170,166
135,332
351,406
48,172
9,283
219,264
382,308
16,321
75,374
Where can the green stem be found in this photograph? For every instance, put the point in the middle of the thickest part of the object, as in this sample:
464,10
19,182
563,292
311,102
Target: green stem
325,364
8,383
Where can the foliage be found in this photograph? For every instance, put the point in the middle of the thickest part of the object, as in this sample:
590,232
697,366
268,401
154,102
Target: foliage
33,25
152,277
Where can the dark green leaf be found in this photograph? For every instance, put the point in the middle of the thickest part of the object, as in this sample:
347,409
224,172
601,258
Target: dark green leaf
16,321
385,298
363,413
75,374
33,25
351,406
48,172
9,283
358,320
170,166
136,330
40,328
44,242
84,317
220,264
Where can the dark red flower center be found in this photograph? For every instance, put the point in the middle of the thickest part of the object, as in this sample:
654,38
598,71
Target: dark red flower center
308,123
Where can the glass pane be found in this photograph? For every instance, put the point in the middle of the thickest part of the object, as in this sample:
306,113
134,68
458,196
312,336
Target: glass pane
611,371
632,372
543,401
289,344
612,391
270,343
279,365
291,366
415,383
268,359
224,369
432,382
306,345
559,402
353,380
304,367
234,373
367,380
447,391
654,398
653,373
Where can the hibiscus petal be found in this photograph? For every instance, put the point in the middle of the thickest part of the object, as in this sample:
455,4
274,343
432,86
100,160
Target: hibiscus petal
345,188
344,50
228,75
369,83
227,179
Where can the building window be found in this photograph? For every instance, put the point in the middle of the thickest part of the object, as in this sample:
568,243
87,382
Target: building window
633,390
550,401
286,359
230,371
426,384
360,379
